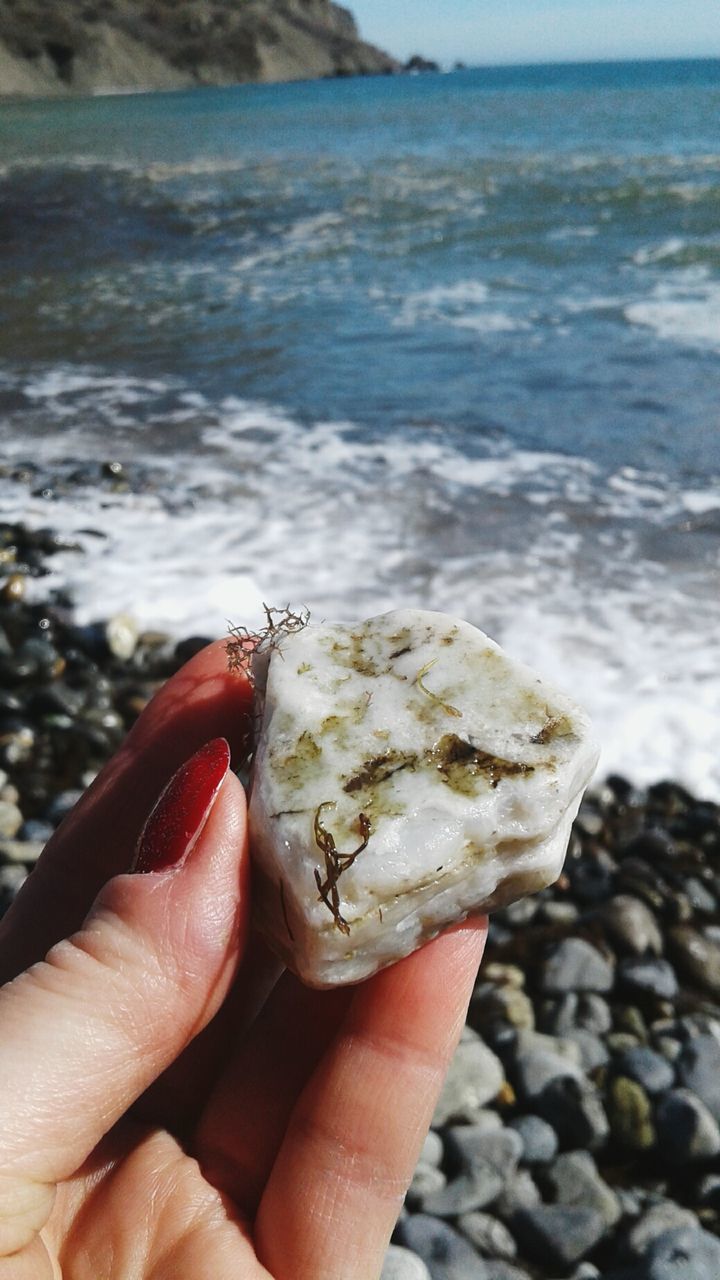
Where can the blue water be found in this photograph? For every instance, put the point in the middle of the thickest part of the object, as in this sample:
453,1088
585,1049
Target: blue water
450,340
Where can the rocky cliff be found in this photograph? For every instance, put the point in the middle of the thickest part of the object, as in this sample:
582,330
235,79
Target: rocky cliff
97,46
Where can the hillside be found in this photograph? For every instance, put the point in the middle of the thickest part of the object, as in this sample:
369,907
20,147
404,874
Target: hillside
97,46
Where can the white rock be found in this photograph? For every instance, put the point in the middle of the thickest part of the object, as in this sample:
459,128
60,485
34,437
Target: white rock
407,773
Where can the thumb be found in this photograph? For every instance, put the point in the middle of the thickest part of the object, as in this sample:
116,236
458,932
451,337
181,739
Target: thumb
89,1028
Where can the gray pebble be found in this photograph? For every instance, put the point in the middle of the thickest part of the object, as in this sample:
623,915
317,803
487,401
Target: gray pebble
656,1220
649,1069
447,1255
27,851
485,1161
686,1130
649,976
683,1254
698,1068
474,1078
631,925
489,1235
401,1264
557,1235
575,965
520,1193
539,1139
534,1069
574,1180
521,912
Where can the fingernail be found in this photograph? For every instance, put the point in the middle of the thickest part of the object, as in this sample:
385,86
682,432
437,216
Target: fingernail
182,810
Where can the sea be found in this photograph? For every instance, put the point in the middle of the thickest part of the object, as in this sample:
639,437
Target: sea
448,341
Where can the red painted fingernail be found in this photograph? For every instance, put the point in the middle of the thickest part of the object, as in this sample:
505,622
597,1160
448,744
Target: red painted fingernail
183,809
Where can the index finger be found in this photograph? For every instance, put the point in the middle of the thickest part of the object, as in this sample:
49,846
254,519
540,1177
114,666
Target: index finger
203,700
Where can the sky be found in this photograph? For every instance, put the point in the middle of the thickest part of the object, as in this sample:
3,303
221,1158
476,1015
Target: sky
499,31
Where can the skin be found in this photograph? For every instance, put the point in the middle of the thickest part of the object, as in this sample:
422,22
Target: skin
172,1108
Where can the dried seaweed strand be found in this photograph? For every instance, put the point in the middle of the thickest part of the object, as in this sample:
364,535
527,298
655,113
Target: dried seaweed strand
243,642
335,863
451,711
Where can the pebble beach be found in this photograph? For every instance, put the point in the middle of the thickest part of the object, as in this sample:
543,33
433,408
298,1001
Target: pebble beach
578,1133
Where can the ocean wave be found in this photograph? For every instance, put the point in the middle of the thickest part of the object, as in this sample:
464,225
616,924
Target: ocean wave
547,552
687,316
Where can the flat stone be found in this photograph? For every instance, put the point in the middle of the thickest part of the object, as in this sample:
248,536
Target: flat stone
630,1113
474,1078
575,965
539,1139
575,1111
558,1235
401,1264
649,1069
698,1068
696,957
686,1130
631,925
485,1162
649,976
573,1179
489,1236
446,1253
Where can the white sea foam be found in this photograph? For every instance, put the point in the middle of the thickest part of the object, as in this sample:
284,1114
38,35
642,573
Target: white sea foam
540,549
463,306
682,314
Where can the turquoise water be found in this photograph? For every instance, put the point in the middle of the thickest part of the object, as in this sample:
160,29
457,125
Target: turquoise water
450,340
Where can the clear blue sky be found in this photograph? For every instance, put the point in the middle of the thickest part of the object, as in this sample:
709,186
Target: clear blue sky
492,31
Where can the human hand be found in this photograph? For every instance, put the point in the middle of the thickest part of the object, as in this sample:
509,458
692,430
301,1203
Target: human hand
161,1119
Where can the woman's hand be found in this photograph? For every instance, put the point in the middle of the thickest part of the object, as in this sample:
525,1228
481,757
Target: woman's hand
163,1117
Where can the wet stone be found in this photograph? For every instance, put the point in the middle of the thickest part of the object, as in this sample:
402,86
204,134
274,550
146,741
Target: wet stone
520,1192
655,1221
